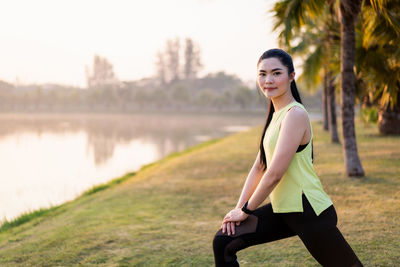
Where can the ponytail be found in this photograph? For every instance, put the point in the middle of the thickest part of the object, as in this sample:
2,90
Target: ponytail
271,110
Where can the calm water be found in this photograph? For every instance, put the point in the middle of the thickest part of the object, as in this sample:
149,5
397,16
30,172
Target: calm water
49,159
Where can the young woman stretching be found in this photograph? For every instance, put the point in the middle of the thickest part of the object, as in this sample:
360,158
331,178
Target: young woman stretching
283,171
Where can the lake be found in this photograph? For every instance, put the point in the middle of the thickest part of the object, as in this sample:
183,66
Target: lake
48,159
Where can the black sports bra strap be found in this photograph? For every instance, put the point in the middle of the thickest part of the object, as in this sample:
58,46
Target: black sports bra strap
301,148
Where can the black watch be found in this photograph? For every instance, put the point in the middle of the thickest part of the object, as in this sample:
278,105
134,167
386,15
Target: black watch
245,210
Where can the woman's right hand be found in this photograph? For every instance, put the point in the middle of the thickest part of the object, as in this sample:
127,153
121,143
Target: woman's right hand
229,227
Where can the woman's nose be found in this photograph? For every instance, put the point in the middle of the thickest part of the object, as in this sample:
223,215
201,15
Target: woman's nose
268,79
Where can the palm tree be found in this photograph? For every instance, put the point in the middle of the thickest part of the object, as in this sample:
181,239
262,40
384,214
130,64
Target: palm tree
293,15
377,65
332,70
349,10
313,25
378,62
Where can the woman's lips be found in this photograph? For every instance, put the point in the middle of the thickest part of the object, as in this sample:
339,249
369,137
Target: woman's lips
270,88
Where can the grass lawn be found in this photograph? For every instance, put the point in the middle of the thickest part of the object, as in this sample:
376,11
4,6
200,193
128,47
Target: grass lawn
167,213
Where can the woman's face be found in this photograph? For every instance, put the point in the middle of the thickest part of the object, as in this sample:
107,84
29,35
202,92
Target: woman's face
273,77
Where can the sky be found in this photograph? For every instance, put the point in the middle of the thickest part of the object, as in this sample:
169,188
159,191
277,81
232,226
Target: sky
51,41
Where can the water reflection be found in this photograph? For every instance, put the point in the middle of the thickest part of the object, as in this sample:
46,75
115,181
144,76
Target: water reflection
49,159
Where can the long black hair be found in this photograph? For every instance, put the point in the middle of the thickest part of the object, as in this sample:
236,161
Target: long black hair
287,61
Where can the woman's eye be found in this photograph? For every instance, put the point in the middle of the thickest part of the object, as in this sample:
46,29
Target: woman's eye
261,74
276,73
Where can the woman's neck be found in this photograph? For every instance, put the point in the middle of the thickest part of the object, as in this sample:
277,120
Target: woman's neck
282,101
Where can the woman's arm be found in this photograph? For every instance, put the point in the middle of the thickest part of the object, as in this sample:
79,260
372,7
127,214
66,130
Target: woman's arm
250,185
293,129
252,180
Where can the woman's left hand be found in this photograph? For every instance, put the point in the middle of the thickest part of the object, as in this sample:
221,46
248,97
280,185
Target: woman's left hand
235,215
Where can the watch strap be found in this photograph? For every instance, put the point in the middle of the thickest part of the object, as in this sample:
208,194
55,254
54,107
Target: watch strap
245,209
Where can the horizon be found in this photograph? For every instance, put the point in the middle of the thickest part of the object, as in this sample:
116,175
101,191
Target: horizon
64,44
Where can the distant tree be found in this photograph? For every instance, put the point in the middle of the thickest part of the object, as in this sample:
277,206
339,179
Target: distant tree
161,68
51,98
102,73
192,62
38,92
243,96
224,100
172,59
168,62
205,98
6,97
219,81
160,98
180,95
143,98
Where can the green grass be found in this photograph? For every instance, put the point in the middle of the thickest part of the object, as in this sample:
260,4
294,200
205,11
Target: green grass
166,214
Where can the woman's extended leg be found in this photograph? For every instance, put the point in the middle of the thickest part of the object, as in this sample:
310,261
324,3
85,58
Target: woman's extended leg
261,227
321,236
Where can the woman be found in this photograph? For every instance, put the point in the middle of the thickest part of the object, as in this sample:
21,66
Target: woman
283,171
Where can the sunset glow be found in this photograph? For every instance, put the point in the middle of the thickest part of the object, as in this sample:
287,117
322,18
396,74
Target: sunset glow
48,41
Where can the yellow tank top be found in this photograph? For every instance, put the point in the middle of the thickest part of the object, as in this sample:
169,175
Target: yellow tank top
299,177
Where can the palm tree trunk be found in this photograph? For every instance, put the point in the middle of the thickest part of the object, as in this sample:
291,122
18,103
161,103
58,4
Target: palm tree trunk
332,108
389,118
324,104
349,10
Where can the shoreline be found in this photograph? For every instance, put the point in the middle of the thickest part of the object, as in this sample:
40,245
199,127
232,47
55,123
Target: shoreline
28,216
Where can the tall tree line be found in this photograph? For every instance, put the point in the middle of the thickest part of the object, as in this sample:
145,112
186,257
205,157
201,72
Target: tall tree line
169,64
102,73
175,86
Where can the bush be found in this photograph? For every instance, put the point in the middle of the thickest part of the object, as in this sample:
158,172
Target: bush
369,115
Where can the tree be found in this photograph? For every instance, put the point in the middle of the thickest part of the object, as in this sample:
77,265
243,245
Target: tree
192,62
205,98
312,26
172,59
243,96
161,69
180,95
349,10
38,95
169,69
102,73
378,62
293,15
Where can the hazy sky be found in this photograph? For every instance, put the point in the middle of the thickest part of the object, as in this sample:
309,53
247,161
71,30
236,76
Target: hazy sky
52,40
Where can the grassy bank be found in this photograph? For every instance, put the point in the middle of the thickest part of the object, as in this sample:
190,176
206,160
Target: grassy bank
167,213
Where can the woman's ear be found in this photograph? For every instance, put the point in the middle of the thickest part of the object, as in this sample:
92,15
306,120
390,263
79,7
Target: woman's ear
291,76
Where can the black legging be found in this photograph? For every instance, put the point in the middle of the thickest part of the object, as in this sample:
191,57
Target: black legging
318,233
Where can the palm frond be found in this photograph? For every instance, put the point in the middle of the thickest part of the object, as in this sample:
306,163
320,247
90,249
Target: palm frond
312,68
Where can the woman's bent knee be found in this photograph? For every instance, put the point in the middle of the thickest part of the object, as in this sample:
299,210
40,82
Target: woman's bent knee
220,241
224,252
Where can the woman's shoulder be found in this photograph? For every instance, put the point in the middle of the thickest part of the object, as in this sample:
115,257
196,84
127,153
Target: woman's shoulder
296,118
299,106
297,112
